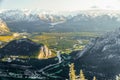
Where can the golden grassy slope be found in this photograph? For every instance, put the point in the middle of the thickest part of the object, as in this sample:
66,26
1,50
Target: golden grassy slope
6,38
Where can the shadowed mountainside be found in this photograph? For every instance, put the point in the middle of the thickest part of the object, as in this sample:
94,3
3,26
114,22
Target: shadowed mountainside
101,57
25,47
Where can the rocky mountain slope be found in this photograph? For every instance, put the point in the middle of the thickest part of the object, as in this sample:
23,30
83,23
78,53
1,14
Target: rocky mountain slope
101,57
3,27
44,52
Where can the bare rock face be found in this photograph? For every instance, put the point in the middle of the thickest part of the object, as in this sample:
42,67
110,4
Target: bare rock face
44,53
3,27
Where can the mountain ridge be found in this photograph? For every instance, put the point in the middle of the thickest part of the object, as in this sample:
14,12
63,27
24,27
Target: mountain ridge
101,57
40,21
26,47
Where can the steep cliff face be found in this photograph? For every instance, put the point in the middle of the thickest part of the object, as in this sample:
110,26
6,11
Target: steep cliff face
44,52
3,27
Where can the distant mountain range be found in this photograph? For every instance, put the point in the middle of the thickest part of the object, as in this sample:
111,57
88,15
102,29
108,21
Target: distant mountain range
29,16
91,21
26,21
41,21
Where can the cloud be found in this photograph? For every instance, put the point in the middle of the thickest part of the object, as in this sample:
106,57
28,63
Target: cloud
61,5
1,1
94,7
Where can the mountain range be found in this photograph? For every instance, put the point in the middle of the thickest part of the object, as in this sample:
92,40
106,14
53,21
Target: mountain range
100,57
91,21
24,21
41,21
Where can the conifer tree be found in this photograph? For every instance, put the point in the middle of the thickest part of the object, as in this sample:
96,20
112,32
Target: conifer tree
94,78
118,77
72,72
82,77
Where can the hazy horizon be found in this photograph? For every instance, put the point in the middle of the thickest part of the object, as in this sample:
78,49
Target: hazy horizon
61,5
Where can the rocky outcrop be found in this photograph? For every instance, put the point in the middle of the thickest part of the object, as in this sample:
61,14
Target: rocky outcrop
44,52
3,27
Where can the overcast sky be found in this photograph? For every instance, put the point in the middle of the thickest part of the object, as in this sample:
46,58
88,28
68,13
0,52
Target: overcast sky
61,5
